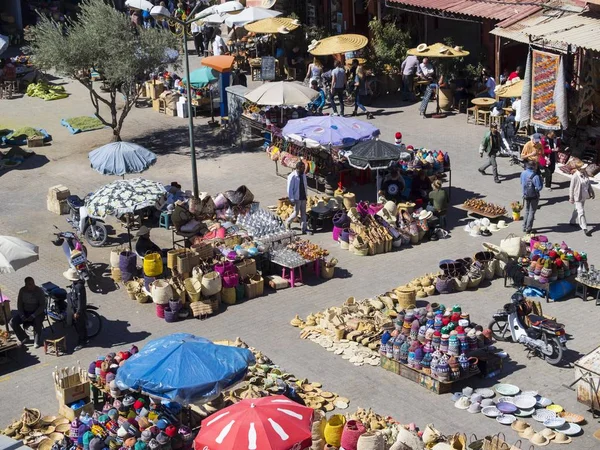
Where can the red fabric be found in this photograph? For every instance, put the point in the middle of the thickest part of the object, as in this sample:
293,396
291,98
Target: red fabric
268,423
513,75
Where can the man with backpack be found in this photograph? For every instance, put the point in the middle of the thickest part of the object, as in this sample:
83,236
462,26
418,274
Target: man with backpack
490,145
531,184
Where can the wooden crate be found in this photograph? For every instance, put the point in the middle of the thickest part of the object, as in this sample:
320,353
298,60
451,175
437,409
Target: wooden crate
35,141
426,381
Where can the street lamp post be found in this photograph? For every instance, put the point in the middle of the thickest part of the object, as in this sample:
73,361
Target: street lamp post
188,89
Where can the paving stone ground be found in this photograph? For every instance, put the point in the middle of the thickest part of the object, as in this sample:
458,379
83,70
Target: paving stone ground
264,322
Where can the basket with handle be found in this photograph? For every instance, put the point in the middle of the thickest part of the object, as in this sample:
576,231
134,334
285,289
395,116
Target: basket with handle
254,286
172,258
246,268
186,261
204,250
170,315
193,288
444,284
407,297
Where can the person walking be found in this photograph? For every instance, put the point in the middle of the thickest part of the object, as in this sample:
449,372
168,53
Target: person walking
550,145
314,71
218,44
490,145
531,185
409,68
580,190
532,150
296,189
31,306
360,81
338,86
198,39
78,299
208,33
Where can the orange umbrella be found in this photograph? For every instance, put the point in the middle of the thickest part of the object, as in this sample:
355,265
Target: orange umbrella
221,63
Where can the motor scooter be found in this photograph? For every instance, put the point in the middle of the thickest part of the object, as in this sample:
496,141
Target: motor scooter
91,228
75,252
545,338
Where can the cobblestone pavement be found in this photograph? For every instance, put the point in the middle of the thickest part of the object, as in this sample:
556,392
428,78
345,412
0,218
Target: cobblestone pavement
264,322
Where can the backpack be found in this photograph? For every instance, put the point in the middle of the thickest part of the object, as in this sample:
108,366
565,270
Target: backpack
530,191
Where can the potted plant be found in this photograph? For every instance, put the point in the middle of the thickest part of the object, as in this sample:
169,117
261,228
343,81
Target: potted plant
516,208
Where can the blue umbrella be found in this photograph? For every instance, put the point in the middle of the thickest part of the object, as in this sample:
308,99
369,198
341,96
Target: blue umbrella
119,158
202,77
184,368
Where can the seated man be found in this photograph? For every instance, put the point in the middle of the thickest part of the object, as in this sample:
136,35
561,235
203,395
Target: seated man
426,70
317,105
31,307
490,86
144,244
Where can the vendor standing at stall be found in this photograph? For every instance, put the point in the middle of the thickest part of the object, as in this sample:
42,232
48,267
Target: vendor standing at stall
78,299
296,190
393,187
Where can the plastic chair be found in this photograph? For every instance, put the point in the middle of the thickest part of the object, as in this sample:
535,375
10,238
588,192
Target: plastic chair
165,220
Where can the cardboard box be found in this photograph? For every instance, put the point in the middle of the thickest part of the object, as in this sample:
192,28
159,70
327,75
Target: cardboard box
71,414
59,192
170,98
154,89
171,112
156,105
59,207
66,396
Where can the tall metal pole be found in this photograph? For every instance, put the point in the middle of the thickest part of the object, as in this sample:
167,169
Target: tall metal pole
188,90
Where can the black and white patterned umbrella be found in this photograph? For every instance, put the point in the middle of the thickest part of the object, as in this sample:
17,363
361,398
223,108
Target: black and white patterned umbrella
125,196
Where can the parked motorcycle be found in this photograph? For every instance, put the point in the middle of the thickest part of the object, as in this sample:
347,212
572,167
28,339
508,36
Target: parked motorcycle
75,252
91,228
546,338
57,309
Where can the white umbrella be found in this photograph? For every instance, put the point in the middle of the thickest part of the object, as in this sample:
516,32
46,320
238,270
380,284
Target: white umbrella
215,18
158,11
282,93
250,15
15,254
226,7
139,4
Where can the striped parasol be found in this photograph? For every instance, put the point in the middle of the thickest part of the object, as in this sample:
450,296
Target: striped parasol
341,43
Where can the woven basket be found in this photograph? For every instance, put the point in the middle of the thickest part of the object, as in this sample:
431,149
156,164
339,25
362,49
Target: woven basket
161,292
115,274
186,261
254,286
193,288
444,284
211,284
490,269
352,431
160,311
407,297
349,200
246,268
200,309
141,297
344,245
132,288
228,295
172,257
475,282
114,256
204,250
334,429
170,315
461,283
327,272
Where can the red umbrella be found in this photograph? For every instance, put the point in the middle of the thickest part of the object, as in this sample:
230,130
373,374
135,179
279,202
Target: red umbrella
269,423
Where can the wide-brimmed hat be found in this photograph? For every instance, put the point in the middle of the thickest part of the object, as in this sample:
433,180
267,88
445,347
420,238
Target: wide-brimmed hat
71,274
421,47
549,433
493,227
462,403
502,224
425,215
527,433
539,439
283,30
562,438
519,425
313,44
143,231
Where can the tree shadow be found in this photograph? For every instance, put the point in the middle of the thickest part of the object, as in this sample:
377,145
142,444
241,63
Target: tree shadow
17,359
116,333
101,282
30,160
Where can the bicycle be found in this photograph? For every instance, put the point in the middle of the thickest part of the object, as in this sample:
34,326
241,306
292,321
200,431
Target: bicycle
373,92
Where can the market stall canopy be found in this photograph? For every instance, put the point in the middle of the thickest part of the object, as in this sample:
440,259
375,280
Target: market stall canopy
184,368
16,253
221,63
273,25
223,8
268,423
512,90
330,130
341,43
282,93
139,4
202,77
125,196
249,15
120,158
373,154
438,51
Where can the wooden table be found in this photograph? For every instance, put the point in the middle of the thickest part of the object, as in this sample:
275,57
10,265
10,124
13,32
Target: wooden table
581,290
483,102
478,212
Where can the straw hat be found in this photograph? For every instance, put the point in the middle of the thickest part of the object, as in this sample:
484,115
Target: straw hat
519,425
283,30
528,433
539,439
425,215
562,438
462,403
443,49
313,44
421,47
71,274
502,224
549,433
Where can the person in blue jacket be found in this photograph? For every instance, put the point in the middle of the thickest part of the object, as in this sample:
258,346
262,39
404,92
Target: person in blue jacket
317,105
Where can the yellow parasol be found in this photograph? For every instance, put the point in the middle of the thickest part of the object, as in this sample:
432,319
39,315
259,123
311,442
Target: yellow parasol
273,25
341,43
512,90
438,51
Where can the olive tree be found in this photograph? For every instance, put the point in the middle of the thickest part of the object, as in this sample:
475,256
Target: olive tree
104,40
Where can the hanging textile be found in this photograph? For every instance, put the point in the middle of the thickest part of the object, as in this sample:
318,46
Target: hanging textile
525,113
589,86
544,78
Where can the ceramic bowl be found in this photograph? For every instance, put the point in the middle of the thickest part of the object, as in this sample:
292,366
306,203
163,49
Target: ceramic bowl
524,412
570,429
507,389
541,415
505,400
556,408
490,411
554,422
506,408
505,419
485,393
525,401
531,393
542,402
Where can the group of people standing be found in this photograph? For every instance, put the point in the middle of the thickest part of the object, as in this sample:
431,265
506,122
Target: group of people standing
539,159
337,84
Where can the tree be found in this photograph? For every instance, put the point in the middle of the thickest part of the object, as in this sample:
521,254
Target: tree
389,43
103,39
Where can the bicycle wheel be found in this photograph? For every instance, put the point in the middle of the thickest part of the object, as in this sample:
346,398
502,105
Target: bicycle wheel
349,99
93,323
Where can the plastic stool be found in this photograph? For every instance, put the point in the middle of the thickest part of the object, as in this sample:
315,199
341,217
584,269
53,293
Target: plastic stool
165,220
